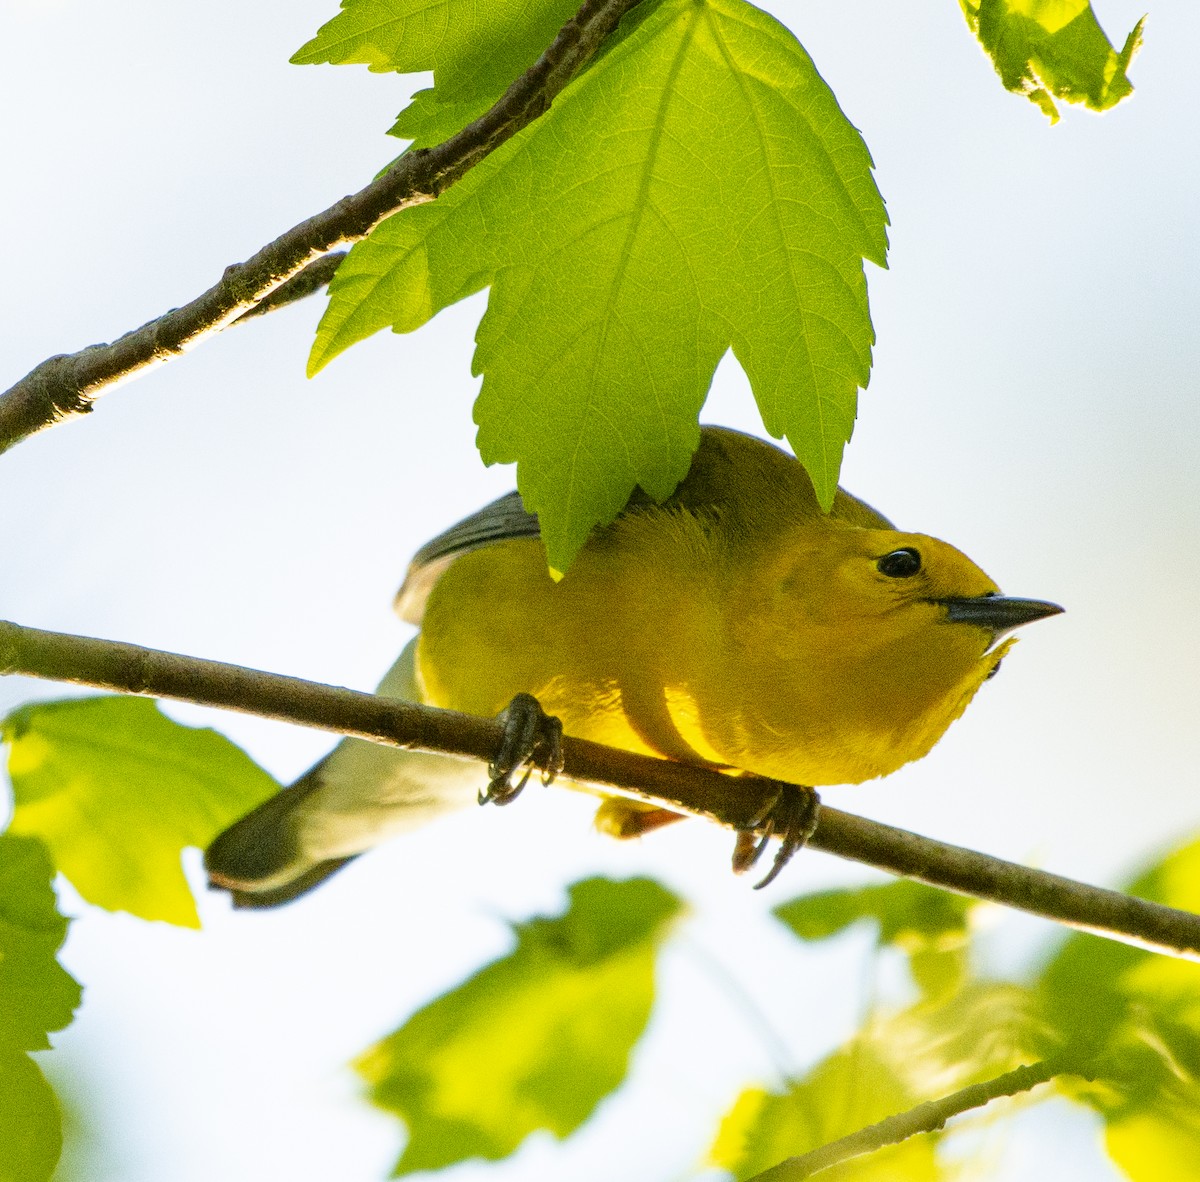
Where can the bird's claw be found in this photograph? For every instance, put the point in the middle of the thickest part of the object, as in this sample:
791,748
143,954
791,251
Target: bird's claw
792,818
532,739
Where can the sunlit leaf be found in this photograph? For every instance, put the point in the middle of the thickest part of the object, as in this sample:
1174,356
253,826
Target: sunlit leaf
848,1091
896,1061
30,1124
930,925
980,1031
474,50
533,1041
1134,1017
429,119
116,790
1053,49
1175,880
37,995
1162,1143
1125,987
905,911
630,237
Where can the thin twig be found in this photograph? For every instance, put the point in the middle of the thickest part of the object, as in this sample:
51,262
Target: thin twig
67,385
740,999
702,792
925,1118
301,285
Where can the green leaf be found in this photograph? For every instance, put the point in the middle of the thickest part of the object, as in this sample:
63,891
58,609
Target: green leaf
1135,1016
1174,880
37,994
895,1062
430,120
474,50
928,924
630,236
962,1030
948,1042
851,1089
1134,998
533,1041
30,1123
1048,49
906,912
117,790
1161,1144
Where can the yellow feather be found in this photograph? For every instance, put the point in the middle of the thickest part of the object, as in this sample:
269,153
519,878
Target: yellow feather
735,625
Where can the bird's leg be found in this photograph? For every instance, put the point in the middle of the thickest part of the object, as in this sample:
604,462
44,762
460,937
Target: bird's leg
532,738
792,817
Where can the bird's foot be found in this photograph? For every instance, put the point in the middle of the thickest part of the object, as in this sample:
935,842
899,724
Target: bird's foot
792,817
532,739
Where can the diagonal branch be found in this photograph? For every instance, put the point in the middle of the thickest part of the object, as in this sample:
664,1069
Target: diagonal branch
924,1118
67,385
702,792
307,281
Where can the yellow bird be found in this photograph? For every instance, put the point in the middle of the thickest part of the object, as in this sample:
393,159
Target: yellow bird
734,625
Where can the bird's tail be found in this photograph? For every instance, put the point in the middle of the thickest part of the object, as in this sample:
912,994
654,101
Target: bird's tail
260,860
359,795
260,900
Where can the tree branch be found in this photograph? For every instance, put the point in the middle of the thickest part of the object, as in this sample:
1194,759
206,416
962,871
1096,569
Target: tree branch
67,385
737,804
304,283
925,1118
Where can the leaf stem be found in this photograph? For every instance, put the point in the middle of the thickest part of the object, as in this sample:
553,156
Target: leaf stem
67,385
699,791
924,1118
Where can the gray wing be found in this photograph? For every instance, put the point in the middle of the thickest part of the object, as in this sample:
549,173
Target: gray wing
502,519
705,488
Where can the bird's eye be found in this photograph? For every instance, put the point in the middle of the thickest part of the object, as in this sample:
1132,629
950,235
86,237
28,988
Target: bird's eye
900,564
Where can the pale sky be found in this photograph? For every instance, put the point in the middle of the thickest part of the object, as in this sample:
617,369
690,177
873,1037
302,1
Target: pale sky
1033,402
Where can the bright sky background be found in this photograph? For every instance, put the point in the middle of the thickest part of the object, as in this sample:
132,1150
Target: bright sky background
1033,401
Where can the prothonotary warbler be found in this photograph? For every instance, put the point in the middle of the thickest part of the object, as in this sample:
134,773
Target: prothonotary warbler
734,625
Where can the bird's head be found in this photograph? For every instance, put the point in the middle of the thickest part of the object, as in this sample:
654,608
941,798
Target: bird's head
857,647
885,635
878,585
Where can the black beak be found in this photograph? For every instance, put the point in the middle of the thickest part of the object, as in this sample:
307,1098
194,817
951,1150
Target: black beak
998,613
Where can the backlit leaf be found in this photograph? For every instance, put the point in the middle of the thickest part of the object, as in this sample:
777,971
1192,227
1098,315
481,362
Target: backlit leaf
928,924
905,912
695,190
37,995
474,50
982,1030
116,790
1135,1017
851,1089
30,1123
1162,1143
533,1041
1053,49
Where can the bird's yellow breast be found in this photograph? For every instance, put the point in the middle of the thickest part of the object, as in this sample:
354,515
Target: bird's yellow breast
790,658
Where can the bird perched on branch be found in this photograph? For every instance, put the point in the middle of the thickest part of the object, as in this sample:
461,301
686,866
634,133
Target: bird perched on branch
735,625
